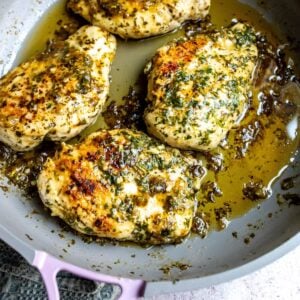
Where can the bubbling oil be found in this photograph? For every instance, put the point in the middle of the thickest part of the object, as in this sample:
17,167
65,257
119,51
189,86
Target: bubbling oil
241,170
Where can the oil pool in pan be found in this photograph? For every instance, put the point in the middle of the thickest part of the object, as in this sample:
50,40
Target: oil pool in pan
242,169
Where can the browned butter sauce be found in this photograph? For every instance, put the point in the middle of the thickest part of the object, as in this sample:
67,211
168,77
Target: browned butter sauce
242,169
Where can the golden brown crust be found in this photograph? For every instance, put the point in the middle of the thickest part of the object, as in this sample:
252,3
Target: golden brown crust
198,88
139,18
122,184
59,93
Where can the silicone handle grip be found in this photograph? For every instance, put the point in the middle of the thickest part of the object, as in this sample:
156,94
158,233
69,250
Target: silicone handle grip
49,267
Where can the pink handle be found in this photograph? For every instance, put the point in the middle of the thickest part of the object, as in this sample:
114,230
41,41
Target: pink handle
50,266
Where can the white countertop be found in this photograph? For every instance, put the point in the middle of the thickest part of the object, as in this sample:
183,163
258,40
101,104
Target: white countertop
280,280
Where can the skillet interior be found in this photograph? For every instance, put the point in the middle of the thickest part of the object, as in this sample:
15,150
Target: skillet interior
218,253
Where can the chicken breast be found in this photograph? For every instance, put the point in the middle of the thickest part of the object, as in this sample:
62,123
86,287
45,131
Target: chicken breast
139,18
123,185
59,93
198,88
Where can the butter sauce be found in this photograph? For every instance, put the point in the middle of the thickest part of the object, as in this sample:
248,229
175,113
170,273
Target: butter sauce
242,169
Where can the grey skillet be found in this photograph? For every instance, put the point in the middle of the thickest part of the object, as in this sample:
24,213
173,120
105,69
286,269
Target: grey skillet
138,271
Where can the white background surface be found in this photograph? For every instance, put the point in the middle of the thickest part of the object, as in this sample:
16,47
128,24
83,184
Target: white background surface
280,280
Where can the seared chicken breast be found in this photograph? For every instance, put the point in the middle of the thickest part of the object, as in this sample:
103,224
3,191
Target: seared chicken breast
139,18
122,184
198,88
58,93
